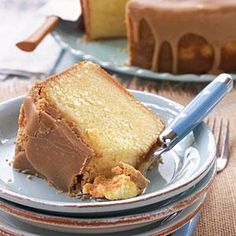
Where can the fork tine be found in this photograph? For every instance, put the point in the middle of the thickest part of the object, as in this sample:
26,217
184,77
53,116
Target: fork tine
213,128
211,124
220,129
225,144
216,130
218,136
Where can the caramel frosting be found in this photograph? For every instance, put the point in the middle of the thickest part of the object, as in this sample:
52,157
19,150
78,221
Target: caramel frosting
169,20
22,164
64,138
53,148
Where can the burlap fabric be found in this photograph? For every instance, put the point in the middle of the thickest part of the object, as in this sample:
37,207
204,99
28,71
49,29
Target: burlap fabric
218,216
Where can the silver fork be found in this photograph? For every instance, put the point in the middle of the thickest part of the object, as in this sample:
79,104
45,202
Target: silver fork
220,129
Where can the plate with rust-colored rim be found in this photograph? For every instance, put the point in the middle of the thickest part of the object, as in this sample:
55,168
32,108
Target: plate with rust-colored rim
113,55
182,167
9,225
131,220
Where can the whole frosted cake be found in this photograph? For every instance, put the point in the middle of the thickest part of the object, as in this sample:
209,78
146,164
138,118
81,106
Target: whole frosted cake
187,36
83,132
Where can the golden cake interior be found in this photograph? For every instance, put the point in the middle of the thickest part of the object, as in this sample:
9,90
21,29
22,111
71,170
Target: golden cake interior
115,133
81,131
104,18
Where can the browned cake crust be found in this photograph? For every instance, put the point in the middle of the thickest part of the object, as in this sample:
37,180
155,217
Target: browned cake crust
86,17
193,52
50,146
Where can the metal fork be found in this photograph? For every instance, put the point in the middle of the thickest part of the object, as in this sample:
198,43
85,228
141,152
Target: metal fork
220,129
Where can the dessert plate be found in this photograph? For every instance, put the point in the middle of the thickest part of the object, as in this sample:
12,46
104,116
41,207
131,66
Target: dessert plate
9,225
131,220
113,54
182,168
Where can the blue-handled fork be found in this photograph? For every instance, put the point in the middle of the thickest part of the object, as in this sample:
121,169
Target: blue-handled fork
192,115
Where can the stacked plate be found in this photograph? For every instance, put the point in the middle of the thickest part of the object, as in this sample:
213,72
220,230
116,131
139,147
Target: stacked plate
176,192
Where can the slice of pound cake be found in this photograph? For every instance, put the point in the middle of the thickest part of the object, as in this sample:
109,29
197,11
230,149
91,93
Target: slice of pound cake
83,132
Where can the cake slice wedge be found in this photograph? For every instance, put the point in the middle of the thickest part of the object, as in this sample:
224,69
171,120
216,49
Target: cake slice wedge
81,124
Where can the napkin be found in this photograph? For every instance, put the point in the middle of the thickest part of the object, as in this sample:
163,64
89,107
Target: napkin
22,19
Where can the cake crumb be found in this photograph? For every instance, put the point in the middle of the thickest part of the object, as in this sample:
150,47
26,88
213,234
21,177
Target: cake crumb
10,163
59,191
29,177
83,39
6,160
123,50
127,182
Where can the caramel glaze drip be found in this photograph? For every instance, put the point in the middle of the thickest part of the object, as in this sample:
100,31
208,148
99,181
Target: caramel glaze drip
169,20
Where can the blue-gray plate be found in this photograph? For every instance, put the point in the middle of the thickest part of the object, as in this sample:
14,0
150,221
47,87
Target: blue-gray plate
182,167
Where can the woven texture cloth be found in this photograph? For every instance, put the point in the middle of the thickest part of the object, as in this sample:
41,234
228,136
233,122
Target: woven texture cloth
218,216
